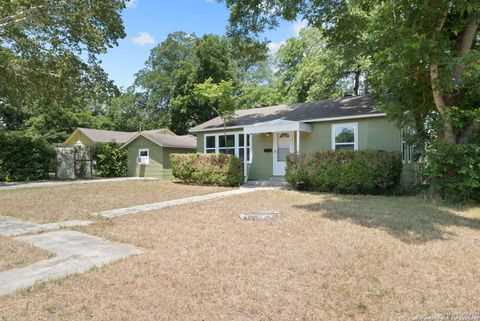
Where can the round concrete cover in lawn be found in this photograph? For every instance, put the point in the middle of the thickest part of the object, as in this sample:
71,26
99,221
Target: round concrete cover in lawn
259,216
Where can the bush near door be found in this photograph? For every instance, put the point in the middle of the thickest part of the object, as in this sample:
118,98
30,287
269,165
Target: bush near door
207,169
351,172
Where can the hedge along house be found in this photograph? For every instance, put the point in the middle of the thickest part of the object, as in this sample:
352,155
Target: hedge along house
264,137
149,152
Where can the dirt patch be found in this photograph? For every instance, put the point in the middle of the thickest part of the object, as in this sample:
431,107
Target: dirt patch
78,201
14,253
328,258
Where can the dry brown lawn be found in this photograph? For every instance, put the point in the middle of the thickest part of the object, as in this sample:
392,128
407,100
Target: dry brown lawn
14,253
77,201
327,258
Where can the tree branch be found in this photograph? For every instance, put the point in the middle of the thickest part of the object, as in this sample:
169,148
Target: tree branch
469,132
436,90
464,43
20,16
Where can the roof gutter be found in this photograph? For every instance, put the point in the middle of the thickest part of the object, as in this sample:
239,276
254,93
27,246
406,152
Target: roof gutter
343,118
193,130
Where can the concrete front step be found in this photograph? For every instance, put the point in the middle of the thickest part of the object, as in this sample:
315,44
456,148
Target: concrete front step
269,183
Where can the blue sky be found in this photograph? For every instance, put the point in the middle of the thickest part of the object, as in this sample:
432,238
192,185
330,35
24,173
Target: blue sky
148,22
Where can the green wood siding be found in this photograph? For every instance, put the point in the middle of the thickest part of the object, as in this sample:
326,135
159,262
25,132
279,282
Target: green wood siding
159,166
374,133
200,142
262,162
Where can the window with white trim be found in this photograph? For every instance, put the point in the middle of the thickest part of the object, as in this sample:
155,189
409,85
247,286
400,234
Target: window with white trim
143,152
345,136
407,149
143,156
233,144
210,144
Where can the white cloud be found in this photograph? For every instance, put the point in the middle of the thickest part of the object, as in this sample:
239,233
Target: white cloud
143,38
297,26
131,3
273,47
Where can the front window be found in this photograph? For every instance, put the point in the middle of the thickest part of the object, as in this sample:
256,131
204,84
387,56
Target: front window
143,157
345,136
210,144
226,144
232,144
241,150
143,153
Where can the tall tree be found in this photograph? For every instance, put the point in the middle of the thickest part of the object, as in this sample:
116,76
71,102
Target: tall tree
219,96
310,70
429,46
130,112
48,51
259,86
175,66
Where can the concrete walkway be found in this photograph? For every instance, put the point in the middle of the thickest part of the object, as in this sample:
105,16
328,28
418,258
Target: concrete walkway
180,201
10,226
10,186
76,253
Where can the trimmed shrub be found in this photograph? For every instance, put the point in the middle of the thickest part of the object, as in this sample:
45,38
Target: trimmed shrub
454,171
207,169
350,172
110,160
24,158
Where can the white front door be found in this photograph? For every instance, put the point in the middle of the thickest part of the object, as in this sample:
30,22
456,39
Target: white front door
282,146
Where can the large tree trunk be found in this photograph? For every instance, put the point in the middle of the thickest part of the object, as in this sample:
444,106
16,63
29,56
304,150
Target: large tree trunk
437,91
443,102
464,43
448,133
357,80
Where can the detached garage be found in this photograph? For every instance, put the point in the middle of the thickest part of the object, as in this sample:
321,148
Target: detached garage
149,153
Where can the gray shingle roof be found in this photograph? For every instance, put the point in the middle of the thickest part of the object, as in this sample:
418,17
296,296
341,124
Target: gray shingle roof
111,136
185,141
107,136
346,107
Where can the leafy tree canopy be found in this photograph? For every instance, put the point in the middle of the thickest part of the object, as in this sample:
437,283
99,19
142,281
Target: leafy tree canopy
309,70
48,52
423,55
183,60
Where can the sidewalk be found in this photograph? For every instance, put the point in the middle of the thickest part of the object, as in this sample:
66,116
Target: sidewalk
12,186
175,202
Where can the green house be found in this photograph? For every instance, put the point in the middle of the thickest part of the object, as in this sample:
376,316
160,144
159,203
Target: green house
149,152
263,137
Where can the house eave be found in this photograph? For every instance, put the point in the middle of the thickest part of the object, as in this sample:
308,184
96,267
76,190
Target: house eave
344,118
156,143
316,120
193,130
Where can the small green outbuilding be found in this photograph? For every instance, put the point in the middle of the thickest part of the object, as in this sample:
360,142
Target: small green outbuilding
149,152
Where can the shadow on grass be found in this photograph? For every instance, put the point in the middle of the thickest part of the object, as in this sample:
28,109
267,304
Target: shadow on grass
410,219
